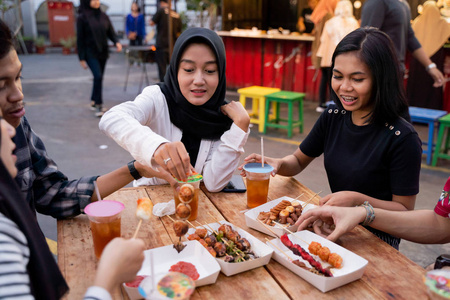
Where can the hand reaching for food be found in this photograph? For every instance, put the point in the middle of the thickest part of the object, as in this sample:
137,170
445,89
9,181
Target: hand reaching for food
173,158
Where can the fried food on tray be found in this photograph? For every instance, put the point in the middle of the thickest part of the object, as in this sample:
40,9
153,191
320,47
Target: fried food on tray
144,208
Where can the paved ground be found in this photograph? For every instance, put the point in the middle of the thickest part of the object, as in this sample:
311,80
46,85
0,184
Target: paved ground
57,92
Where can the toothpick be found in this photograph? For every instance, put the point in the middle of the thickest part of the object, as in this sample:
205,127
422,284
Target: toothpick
299,196
297,237
279,249
192,225
137,229
268,228
215,219
309,200
171,218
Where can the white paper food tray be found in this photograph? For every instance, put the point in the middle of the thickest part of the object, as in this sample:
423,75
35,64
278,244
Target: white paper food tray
194,253
251,217
352,266
261,250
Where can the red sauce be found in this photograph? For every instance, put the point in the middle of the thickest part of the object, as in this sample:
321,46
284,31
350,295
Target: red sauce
185,268
135,283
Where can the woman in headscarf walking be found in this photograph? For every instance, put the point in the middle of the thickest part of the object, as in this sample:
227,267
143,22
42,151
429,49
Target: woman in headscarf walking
93,31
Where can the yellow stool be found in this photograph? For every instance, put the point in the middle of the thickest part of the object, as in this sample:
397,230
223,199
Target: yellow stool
258,93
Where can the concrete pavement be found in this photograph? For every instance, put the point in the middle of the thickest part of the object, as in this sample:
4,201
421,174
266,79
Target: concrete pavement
57,92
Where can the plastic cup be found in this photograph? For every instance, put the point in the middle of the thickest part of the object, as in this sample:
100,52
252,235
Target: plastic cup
104,219
438,283
194,180
257,183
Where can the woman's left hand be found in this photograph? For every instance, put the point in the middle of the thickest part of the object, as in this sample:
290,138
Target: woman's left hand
119,47
236,112
344,198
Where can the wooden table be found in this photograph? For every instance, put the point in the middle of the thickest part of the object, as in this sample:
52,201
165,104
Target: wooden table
389,274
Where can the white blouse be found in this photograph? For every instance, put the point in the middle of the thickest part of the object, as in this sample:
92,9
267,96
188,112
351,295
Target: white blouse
142,125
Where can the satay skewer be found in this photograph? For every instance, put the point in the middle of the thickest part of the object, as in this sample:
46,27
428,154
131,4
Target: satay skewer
299,196
137,229
268,228
310,199
215,219
279,249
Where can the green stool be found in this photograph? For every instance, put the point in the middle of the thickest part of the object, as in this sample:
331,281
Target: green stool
444,123
290,98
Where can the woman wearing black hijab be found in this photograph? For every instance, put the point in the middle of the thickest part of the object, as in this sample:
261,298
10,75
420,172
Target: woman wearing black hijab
185,121
28,267
93,31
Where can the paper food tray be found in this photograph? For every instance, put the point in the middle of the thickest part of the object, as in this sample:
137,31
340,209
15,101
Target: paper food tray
260,249
251,217
352,266
194,253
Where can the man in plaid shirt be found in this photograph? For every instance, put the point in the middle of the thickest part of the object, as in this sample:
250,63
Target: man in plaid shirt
46,189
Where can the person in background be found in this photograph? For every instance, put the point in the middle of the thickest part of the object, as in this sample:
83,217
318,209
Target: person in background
185,123
394,18
372,155
43,186
420,226
93,31
305,25
321,14
333,31
432,31
161,20
135,26
28,267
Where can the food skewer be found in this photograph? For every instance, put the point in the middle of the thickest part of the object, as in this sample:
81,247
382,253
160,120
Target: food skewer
310,199
279,249
215,219
299,196
324,253
143,212
266,226
295,262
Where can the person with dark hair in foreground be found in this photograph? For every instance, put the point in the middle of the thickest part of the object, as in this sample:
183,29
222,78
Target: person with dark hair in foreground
28,267
42,185
372,155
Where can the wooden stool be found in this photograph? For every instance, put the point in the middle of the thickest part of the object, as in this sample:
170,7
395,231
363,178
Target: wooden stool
290,98
444,123
430,117
257,94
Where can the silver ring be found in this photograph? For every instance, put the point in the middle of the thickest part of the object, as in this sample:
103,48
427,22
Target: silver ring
167,160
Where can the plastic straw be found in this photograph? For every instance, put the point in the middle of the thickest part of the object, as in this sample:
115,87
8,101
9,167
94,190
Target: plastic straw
262,152
99,198
152,271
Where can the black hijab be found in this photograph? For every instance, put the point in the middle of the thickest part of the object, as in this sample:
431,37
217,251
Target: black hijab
197,122
46,280
97,21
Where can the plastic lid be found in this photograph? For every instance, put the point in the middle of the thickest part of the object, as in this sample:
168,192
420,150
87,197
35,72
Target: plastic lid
192,178
257,168
104,208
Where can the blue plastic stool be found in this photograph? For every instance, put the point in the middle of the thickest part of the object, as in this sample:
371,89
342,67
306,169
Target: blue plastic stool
430,117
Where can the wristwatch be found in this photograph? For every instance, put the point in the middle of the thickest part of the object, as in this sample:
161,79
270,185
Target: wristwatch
431,66
133,170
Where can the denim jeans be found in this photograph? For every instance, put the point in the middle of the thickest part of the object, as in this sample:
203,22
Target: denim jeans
97,67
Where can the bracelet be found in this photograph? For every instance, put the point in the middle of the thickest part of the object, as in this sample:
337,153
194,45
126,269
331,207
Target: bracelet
370,213
133,170
430,66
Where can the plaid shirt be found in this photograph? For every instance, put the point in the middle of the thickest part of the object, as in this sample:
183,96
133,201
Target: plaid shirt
46,189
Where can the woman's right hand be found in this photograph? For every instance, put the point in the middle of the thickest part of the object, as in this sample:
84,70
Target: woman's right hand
173,158
83,64
256,158
236,112
120,261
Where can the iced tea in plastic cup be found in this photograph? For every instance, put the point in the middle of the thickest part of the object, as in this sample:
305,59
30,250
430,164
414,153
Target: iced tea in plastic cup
104,218
195,181
257,183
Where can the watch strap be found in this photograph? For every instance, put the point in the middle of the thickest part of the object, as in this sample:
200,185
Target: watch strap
133,170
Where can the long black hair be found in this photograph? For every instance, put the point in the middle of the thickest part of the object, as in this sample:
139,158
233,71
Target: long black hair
6,40
377,51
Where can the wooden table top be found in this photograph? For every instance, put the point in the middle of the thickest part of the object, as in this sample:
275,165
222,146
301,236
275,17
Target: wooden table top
389,274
